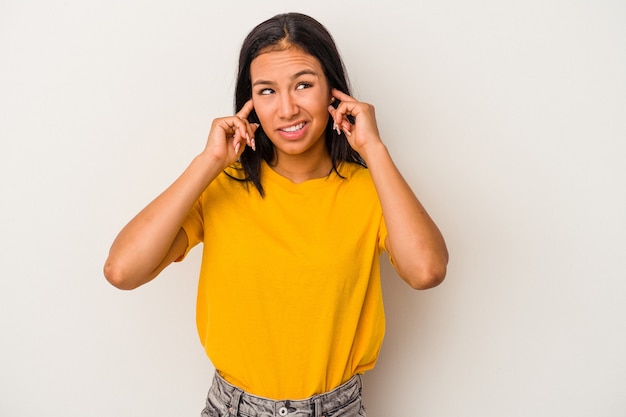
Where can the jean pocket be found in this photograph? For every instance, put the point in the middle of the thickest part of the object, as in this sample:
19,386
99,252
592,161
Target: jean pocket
215,408
352,409
212,412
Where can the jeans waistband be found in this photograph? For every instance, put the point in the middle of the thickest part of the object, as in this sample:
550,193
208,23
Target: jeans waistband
241,402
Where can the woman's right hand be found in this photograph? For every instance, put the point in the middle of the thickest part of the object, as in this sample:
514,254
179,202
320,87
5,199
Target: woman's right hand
154,238
230,135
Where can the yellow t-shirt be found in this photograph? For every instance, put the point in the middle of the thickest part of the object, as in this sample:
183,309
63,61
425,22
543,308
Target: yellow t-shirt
289,298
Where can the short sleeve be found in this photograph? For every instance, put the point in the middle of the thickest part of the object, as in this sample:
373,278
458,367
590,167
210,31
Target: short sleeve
193,225
382,236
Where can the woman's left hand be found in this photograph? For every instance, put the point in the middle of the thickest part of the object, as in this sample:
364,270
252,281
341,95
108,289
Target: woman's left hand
363,134
414,242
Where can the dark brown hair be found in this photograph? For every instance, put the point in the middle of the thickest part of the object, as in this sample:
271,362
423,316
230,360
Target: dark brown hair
306,33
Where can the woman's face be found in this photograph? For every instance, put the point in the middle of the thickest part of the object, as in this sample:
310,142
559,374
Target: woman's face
291,97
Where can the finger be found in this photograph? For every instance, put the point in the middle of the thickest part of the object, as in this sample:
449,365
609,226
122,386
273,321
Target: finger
336,114
243,127
346,127
238,129
239,140
234,130
253,128
343,126
341,96
345,113
243,130
245,111
332,111
246,130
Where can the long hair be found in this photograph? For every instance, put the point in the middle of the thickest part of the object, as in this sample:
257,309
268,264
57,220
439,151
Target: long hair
306,33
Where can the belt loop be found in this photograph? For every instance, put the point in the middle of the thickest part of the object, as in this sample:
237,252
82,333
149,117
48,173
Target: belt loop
318,406
233,409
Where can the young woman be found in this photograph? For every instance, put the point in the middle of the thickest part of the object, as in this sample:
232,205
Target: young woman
294,198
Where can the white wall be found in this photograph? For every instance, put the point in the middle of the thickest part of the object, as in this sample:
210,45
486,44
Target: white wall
508,119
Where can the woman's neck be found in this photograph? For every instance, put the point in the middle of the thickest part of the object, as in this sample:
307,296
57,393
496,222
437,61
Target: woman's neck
301,168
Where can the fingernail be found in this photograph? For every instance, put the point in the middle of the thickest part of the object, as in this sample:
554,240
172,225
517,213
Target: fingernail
237,145
347,132
253,144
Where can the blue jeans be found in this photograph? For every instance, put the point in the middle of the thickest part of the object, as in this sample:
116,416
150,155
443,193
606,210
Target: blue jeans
225,400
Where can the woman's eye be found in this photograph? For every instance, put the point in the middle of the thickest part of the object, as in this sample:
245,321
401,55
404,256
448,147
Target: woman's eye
302,86
266,91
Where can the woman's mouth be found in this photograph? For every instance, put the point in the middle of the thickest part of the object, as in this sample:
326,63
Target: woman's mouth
293,132
293,128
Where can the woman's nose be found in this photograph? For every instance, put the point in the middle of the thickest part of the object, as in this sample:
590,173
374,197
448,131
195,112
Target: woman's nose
287,106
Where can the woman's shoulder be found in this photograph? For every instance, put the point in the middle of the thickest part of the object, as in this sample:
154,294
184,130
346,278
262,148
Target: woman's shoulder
235,171
229,182
353,170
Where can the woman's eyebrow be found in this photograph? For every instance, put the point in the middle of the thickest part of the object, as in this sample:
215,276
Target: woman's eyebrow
293,77
304,72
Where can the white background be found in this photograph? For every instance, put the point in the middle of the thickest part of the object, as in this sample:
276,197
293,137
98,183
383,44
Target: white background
507,118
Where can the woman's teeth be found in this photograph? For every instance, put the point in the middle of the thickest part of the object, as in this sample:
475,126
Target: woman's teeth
294,128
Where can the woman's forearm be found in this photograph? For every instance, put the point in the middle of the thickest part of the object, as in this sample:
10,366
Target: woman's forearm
416,245
152,239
